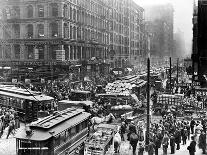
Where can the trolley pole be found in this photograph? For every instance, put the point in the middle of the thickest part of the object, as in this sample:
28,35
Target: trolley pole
148,100
170,76
177,69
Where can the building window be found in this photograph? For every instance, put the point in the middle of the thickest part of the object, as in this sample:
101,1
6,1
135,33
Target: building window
74,14
71,13
16,28
54,10
66,30
1,52
7,13
65,10
30,51
7,51
41,51
54,29
40,11
71,32
40,30
16,51
53,49
30,11
15,12
30,31
7,32
74,32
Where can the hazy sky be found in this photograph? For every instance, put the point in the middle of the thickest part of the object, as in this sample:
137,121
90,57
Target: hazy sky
183,11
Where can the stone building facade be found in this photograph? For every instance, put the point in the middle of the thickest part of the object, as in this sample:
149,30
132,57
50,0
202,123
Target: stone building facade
65,31
125,33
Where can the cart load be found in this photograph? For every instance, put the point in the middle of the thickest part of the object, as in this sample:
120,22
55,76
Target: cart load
101,141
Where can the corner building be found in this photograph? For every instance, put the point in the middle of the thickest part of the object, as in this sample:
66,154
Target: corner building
126,46
65,32
53,30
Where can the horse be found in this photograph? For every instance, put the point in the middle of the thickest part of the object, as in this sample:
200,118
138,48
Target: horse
117,142
97,120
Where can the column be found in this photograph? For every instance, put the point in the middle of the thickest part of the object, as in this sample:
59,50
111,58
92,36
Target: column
69,58
46,29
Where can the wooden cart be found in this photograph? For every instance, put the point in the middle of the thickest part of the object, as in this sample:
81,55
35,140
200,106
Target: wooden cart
102,141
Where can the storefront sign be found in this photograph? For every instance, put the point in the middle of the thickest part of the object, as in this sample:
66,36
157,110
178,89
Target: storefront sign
33,63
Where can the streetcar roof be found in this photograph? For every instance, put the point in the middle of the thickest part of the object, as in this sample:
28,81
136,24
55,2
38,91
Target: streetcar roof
80,91
52,127
33,97
87,103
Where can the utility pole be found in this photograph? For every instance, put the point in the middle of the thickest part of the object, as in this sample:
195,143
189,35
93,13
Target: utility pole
148,100
170,76
177,69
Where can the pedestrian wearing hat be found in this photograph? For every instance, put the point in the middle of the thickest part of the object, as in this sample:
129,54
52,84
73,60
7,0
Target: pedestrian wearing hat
165,143
192,147
172,143
123,130
202,142
140,148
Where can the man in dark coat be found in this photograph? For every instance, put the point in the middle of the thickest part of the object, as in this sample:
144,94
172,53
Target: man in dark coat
202,142
178,138
157,141
133,141
172,144
192,147
192,124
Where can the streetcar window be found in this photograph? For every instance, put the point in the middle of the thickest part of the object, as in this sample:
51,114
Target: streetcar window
62,137
57,140
73,131
67,135
77,128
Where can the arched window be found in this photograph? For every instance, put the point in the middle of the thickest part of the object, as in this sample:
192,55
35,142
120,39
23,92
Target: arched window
54,29
54,9
65,10
40,10
30,11
40,30
15,12
71,13
30,31
16,28
66,30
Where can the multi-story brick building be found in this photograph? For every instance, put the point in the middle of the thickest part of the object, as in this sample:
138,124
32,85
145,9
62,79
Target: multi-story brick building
126,34
64,32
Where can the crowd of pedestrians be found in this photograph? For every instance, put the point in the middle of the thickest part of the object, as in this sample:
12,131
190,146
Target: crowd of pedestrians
169,133
9,120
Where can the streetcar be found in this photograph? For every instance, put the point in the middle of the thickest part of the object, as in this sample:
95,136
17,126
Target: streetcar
80,95
29,104
61,134
64,104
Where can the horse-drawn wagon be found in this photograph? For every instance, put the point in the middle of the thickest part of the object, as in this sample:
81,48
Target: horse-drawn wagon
102,141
